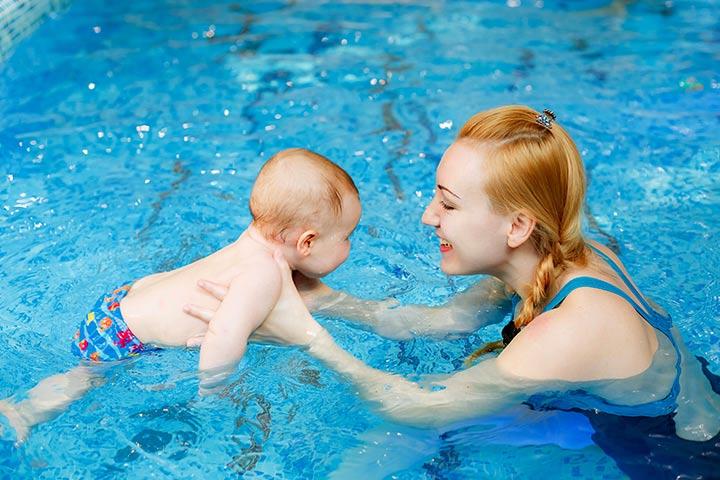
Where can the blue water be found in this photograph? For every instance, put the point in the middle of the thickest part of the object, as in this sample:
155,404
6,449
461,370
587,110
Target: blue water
131,132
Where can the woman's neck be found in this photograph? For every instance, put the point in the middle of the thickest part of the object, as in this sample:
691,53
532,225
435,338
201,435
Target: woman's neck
519,271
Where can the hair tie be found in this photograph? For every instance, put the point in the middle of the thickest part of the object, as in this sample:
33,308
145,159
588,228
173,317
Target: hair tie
546,118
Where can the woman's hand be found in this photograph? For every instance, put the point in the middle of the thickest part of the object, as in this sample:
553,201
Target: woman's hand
313,292
289,323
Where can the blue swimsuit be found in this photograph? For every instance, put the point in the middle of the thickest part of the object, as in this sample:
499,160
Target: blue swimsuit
587,401
641,439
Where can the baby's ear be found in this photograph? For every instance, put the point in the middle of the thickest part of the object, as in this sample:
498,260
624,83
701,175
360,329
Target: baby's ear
305,242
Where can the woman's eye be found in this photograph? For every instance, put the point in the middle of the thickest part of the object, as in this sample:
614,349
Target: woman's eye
446,206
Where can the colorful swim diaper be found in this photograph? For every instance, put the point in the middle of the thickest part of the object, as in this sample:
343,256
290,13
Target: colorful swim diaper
103,335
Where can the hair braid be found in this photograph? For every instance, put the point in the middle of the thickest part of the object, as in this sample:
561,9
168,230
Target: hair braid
537,297
548,270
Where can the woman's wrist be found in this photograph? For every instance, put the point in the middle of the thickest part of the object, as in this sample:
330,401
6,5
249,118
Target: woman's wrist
319,340
326,302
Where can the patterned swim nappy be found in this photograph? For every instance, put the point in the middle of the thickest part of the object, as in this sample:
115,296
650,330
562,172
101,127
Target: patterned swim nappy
103,335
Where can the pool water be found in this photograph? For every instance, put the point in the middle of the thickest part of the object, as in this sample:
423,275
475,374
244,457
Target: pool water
131,132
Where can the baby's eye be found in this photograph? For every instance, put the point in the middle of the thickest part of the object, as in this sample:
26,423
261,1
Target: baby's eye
446,206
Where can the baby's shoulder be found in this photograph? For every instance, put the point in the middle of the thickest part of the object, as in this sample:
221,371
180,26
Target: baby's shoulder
260,268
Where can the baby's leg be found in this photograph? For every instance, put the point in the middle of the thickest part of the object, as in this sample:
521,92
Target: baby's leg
49,398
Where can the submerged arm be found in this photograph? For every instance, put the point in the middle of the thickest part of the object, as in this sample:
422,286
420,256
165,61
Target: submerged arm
482,304
698,411
479,390
485,303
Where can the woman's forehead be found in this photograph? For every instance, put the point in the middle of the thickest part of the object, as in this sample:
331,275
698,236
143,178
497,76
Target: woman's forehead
460,169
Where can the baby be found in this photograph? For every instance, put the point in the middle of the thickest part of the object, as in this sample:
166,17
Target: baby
302,204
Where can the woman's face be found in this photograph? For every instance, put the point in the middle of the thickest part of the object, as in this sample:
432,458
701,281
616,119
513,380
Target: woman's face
472,236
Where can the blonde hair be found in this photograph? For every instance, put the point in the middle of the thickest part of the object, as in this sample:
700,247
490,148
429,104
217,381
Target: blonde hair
538,171
297,187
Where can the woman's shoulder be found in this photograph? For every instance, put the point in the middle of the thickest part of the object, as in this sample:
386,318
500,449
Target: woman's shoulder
593,334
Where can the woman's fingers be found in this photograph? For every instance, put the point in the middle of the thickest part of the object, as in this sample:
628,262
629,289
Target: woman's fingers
215,289
204,314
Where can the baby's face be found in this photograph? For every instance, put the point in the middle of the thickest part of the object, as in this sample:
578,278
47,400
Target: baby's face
332,246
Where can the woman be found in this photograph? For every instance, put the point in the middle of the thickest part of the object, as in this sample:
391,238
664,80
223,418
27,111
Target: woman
508,203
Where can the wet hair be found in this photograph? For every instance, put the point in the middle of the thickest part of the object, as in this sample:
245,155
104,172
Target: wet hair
537,170
298,187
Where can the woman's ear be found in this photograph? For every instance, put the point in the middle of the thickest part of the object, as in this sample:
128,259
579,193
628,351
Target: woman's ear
521,228
305,242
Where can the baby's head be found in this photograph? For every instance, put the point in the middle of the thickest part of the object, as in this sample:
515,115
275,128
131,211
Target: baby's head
310,206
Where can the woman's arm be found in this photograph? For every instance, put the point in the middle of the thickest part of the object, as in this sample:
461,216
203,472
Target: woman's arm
485,303
479,390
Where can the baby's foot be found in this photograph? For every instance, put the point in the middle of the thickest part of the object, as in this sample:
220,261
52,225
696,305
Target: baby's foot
14,420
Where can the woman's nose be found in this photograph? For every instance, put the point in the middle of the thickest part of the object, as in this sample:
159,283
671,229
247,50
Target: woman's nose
430,216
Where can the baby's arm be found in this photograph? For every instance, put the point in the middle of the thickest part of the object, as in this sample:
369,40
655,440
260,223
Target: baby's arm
250,298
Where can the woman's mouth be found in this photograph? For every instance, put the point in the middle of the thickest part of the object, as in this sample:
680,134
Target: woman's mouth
445,246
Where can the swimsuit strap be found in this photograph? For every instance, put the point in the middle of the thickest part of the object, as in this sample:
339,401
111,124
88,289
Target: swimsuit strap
510,331
592,282
661,323
515,299
655,318
585,282
623,277
574,284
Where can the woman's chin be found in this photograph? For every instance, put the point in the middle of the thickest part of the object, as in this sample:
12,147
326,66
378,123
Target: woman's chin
455,267
449,268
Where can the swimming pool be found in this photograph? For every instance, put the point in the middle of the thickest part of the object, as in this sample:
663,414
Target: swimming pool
131,132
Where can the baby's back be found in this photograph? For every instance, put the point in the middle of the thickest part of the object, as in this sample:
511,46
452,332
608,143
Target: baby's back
153,309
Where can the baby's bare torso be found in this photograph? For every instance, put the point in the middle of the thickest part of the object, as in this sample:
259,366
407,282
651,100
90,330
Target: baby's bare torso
153,309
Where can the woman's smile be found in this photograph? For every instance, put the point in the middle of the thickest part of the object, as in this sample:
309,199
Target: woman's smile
445,246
